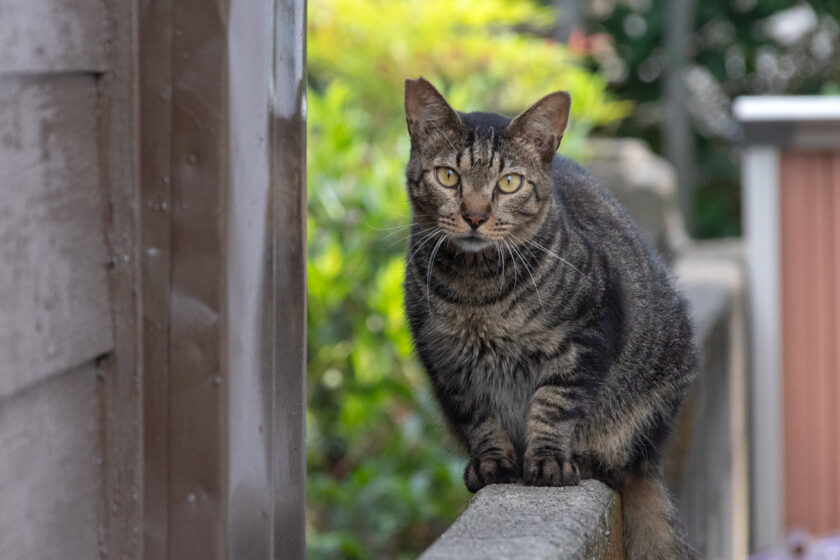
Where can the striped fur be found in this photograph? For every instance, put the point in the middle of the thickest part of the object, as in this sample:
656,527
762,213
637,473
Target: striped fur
555,341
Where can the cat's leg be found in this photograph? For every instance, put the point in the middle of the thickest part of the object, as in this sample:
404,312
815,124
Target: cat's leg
553,416
651,528
492,456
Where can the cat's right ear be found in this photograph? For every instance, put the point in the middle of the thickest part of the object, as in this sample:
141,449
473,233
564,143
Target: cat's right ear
430,118
541,126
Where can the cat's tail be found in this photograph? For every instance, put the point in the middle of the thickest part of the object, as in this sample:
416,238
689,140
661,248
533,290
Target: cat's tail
651,528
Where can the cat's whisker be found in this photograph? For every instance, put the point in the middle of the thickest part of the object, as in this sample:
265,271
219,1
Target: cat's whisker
406,235
429,272
399,241
545,250
421,243
555,255
502,258
515,267
533,280
409,236
389,228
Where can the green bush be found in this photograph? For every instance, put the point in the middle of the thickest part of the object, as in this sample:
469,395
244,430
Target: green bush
382,481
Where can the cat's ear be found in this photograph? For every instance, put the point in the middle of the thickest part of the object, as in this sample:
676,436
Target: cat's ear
429,116
542,125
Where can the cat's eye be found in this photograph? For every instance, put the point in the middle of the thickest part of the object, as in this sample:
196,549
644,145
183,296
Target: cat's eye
510,183
447,177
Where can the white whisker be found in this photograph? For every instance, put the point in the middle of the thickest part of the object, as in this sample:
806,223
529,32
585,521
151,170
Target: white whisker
533,280
429,272
409,236
515,267
421,243
547,251
502,257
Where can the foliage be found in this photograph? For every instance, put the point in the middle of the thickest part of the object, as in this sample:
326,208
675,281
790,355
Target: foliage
735,51
382,481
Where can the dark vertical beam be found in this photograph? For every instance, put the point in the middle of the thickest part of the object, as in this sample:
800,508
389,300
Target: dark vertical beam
569,18
678,137
197,422
288,135
155,86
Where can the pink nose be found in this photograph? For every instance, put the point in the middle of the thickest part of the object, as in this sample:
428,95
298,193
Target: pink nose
475,219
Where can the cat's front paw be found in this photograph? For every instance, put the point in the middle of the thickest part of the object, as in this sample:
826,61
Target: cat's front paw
550,470
482,471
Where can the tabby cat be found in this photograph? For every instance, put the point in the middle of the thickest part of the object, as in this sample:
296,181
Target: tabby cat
555,340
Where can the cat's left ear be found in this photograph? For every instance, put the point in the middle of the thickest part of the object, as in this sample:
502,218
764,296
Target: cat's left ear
542,125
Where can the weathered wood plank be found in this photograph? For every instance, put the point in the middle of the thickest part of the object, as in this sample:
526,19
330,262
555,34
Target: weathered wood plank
199,155
119,171
53,291
52,36
50,469
155,127
288,174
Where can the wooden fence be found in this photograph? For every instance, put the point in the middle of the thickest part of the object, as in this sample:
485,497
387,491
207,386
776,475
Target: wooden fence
152,289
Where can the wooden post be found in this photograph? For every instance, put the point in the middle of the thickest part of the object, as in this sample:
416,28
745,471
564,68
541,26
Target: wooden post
677,134
224,156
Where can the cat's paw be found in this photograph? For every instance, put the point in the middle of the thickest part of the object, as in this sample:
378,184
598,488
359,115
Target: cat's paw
482,471
551,470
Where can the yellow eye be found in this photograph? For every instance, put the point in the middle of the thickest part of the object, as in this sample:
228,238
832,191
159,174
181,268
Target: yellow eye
510,183
446,176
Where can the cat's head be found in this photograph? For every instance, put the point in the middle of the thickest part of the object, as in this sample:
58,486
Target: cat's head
480,177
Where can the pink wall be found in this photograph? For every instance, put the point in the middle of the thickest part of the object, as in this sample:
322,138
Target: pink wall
810,251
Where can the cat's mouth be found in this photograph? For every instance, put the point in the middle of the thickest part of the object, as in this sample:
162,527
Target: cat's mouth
472,242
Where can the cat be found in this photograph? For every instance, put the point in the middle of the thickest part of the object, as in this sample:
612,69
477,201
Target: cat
555,340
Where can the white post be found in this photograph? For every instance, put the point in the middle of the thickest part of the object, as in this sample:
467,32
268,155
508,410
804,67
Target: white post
760,187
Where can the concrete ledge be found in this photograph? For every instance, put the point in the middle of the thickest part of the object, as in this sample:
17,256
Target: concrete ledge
510,522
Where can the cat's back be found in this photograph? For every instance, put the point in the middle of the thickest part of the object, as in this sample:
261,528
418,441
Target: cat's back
649,297
595,213
586,201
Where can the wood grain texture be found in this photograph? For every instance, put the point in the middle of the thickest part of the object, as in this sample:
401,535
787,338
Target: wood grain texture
155,45
288,149
199,155
51,469
122,388
53,291
38,36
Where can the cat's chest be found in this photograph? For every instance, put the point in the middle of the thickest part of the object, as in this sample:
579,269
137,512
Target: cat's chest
484,359
471,326
499,337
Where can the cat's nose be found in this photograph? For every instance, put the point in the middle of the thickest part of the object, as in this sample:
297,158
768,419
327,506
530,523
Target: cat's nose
475,219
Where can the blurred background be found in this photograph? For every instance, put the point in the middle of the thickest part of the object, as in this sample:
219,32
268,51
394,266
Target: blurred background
157,235
652,84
